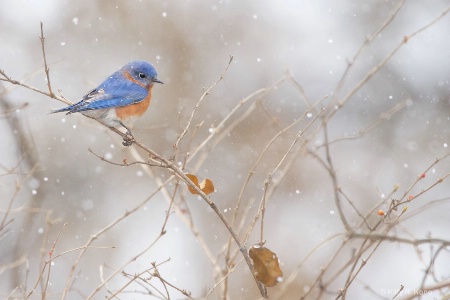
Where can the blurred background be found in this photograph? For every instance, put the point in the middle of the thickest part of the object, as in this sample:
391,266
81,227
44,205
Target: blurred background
46,165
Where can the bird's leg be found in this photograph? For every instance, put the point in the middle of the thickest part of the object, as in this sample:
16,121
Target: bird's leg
128,138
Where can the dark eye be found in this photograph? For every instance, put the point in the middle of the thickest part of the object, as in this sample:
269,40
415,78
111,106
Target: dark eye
142,75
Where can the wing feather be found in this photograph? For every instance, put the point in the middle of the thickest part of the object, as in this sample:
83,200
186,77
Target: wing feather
111,93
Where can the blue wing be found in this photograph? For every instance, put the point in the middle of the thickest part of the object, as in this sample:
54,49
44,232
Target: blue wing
113,92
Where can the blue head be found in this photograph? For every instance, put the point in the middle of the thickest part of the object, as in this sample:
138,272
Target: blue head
142,72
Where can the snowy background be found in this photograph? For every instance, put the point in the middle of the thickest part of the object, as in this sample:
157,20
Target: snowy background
189,43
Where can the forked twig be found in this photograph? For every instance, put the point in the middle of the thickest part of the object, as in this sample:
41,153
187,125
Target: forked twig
206,93
382,63
355,265
42,38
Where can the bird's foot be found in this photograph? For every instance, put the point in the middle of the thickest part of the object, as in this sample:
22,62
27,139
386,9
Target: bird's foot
128,139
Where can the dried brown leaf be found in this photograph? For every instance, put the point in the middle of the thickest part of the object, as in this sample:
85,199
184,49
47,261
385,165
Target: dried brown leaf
267,268
206,186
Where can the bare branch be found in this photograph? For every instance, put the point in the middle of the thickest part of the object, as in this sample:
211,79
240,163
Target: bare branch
206,93
42,38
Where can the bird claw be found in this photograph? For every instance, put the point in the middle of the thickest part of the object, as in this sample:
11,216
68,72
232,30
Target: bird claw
128,139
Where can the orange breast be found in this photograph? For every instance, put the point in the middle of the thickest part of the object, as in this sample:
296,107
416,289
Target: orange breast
134,110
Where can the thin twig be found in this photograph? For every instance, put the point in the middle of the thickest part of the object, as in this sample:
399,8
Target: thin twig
102,231
365,45
262,208
395,239
185,218
266,148
125,162
133,279
382,118
13,264
332,172
206,93
42,38
50,254
55,257
444,284
219,129
29,87
275,170
381,64
351,278
118,270
229,271
399,291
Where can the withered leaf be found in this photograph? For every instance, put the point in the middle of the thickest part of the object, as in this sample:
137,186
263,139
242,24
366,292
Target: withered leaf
267,269
206,185
194,179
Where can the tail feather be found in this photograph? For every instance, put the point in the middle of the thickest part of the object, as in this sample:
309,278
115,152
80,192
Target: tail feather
60,110
70,109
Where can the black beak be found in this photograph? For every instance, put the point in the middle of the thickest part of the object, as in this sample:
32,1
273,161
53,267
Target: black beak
157,80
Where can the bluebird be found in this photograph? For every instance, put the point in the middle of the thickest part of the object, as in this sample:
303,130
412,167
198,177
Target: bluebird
124,95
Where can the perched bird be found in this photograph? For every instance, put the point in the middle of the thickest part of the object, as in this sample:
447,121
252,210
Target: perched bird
124,95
